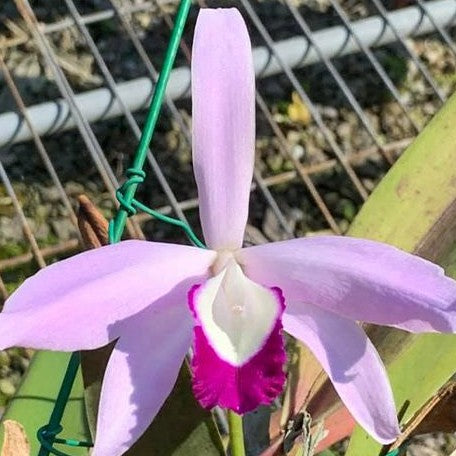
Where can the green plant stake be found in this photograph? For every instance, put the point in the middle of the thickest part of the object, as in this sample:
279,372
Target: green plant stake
135,173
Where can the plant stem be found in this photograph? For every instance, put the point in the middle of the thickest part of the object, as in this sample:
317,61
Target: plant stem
236,434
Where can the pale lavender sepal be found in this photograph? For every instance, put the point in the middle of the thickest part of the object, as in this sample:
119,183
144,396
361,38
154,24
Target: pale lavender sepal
80,302
141,373
360,279
223,97
352,364
240,388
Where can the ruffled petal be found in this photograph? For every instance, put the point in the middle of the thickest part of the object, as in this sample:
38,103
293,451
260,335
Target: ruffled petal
352,364
140,374
223,97
80,302
238,347
360,279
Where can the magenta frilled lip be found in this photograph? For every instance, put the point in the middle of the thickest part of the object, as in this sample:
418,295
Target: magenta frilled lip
243,371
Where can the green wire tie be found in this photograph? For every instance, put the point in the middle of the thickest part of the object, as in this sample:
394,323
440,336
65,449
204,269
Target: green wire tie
131,205
128,206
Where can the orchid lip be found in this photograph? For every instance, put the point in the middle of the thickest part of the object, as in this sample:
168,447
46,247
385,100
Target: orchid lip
238,348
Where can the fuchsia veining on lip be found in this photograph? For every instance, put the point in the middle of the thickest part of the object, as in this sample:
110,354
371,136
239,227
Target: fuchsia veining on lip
136,291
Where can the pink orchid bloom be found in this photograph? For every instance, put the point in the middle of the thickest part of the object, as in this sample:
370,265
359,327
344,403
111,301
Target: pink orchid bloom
140,292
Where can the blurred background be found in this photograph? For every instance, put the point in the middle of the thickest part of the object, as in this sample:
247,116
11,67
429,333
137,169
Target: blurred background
343,87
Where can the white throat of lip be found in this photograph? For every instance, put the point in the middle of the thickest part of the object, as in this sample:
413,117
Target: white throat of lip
236,314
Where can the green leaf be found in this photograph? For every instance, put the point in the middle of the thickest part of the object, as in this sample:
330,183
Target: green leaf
415,376
414,208
35,399
414,205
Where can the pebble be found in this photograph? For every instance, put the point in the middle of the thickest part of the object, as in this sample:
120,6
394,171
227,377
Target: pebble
5,359
50,194
28,66
42,211
368,184
329,112
40,229
63,229
253,236
297,151
294,137
275,163
271,227
74,188
10,230
7,388
344,130
331,198
347,209
344,225
5,371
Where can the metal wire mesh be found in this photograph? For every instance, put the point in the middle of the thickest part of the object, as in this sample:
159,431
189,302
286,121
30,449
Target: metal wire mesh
329,125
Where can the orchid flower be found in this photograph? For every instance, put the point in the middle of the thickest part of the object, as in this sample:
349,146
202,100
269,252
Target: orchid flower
155,299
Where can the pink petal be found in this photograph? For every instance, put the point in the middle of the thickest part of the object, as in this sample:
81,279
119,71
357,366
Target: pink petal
352,364
223,91
80,302
360,279
237,362
141,373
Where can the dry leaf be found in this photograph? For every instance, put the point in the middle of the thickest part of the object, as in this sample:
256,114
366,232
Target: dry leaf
438,414
338,425
92,225
15,442
298,111
308,389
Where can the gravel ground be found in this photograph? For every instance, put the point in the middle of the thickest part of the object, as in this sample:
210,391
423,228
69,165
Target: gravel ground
48,217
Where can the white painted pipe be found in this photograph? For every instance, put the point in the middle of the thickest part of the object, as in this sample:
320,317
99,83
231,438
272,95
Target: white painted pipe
296,52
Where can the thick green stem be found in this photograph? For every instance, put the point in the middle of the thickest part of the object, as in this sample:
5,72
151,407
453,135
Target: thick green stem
236,434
